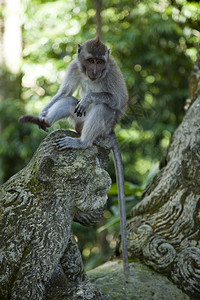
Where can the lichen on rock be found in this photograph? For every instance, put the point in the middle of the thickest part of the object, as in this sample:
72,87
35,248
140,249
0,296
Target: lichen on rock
38,256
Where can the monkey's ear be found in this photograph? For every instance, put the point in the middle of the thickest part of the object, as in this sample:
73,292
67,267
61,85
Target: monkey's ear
79,48
109,51
45,168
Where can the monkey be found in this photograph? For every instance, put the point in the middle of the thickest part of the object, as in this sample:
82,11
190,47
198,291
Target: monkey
103,102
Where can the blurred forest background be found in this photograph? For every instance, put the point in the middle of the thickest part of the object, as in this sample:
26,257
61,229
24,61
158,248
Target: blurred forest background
154,43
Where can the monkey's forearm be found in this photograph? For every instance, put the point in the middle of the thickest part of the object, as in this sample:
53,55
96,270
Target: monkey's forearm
97,98
68,87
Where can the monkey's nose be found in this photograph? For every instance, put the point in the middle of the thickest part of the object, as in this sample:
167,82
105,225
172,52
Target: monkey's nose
94,71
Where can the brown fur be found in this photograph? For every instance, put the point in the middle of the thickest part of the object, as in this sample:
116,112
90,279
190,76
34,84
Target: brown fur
35,120
96,47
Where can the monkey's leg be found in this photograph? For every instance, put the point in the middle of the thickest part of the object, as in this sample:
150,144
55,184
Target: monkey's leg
99,122
63,108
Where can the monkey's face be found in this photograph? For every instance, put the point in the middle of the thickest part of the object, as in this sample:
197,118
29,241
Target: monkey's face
93,56
94,67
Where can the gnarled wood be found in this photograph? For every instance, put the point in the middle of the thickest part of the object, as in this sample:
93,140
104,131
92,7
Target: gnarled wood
165,227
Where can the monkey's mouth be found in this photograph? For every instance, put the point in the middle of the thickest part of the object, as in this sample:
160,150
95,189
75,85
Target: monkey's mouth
93,78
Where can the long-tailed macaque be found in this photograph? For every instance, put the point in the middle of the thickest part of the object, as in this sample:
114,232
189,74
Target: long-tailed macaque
103,102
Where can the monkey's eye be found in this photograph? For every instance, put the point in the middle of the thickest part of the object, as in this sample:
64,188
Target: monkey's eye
91,61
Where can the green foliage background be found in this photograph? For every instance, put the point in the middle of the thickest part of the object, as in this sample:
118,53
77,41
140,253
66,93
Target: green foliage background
155,44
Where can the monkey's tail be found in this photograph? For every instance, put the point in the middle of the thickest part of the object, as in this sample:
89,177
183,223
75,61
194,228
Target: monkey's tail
122,201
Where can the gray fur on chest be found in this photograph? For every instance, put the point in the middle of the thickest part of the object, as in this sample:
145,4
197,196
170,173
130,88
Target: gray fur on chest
88,86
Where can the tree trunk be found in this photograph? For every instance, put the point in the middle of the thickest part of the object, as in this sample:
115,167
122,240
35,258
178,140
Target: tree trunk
10,63
195,79
10,50
164,230
12,37
97,4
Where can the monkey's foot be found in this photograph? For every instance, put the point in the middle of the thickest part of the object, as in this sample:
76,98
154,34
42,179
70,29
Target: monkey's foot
41,122
67,142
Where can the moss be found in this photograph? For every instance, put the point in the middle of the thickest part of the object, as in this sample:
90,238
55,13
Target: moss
143,283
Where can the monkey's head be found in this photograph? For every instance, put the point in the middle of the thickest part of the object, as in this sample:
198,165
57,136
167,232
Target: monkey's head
93,56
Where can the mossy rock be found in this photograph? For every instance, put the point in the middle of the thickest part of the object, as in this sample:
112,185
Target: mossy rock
143,283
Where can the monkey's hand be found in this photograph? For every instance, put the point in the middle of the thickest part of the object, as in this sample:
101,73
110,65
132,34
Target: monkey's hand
82,106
